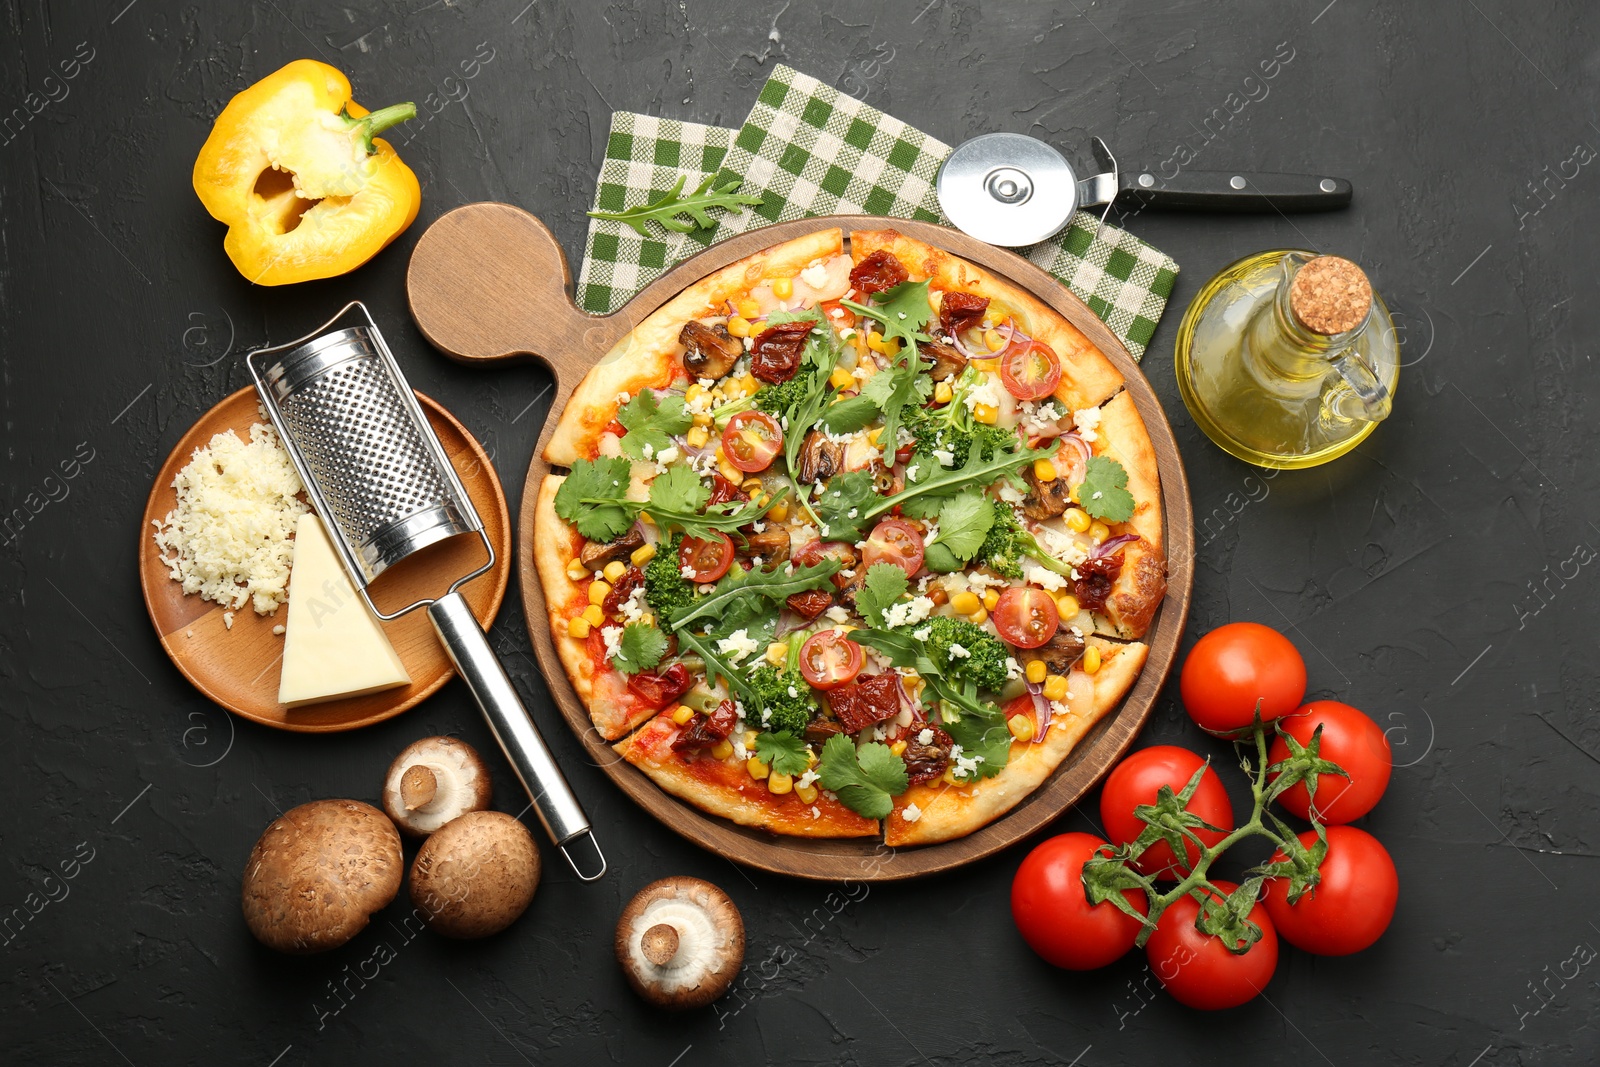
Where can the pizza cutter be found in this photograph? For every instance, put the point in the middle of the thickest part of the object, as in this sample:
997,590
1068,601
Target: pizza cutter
1013,190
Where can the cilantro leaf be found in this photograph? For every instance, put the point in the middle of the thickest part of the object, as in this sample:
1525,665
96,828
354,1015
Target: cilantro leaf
848,416
1103,493
867,780
679,489
779,317
893,389
964,522
741,593
783,752
651,422
844,507
903,311
983,738
591,498
640,649
885,584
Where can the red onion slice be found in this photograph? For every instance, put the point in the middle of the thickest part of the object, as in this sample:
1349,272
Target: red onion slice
1112,545
1041,711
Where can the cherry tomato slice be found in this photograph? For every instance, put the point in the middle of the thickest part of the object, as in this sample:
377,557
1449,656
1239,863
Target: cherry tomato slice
707,559
894,541
752,440
836,314
1030,370
828,659
1026,617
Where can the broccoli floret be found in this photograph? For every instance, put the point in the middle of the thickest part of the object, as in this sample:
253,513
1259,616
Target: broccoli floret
780,700
952,429
665,588
984,662
1008,544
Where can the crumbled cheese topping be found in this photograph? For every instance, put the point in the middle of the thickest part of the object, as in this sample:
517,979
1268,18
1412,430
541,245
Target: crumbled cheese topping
689,572
612,636
911,813
910,612
837,614
668,454
959,651
1087,420
1044,577
986,392
633,607
945,457
925,736
922,635
806,778
1013,668
815,275
738,645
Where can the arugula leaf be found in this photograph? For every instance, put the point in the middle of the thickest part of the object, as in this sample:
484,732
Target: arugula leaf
903,311
867,779
848,416
640,649
903,650
885,584
964,522
715,664
893,389
783,752
742,591
1103,493
591,498
666,208
650,421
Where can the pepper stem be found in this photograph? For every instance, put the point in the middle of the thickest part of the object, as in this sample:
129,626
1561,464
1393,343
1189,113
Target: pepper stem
376,122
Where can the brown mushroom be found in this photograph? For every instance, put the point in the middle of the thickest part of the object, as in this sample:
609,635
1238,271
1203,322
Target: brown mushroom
1062,651
709,352
771,545
434,781
947,362
318,873
680,942
819,458
596,554
1045,500
475,876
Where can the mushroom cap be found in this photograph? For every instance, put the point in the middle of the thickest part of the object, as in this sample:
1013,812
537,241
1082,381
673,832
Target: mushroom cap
434,781
317,874
474,876
702,945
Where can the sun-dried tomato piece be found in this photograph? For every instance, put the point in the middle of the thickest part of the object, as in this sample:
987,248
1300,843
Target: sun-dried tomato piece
775,355
657,689
723,490
621,590
866,702
925,762
957,311
810,604
703,731
1095,578
879,271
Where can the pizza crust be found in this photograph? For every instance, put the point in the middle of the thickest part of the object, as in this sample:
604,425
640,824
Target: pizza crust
1088,378
950,811
649,357
1140,587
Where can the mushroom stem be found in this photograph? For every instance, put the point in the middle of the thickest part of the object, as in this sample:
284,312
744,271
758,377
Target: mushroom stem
418,787
660,944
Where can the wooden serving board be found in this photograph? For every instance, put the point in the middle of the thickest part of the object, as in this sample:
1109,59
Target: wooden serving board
238,668
488,282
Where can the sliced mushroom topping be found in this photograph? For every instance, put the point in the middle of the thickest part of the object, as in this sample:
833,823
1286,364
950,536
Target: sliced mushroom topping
822,729
819,458
1045,500
771,545
596,554
433,781
947,362
680,942
1061,651
709,350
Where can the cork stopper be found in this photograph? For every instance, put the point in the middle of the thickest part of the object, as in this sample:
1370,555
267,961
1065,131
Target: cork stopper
1330,295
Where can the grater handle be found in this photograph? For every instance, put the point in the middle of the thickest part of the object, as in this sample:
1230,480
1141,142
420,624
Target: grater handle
475,661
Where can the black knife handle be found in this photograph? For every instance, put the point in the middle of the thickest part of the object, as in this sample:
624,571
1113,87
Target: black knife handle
1222,190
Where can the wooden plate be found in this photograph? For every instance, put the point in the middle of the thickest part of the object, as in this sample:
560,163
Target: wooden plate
489,282
238,668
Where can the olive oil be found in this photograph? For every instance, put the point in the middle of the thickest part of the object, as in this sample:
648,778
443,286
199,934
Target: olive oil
1287,359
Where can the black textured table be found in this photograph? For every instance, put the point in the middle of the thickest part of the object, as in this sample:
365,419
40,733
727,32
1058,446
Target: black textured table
1439,577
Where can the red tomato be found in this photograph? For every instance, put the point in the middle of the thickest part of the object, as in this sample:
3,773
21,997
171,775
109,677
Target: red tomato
828,659
1056,919
813,552
836,313
894,541
1354,742
707,559
1030,370
1352,905
615,427
1138,779
1197,969
751,441
657,689
1233,667
1026,617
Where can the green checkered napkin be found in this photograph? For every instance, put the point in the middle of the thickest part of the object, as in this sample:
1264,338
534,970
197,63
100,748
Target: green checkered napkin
811,150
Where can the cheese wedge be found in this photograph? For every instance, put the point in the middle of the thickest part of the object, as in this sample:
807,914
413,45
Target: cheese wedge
334,647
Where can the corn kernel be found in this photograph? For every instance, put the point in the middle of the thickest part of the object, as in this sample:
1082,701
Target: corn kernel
757,769
965,603
615,570
979,617
1021,727
943,394
1055,687
841,378
698,436
598,591
806,793
643,554
874,436
739,326
750,738
646,518
811,758
990,365
898,747
987,414
748,307
779,784
681,715
783,288
779,512
703,420
578,627
875,341
593,615
1078,519
722,749
777,653
993,341
1074,495
1091,660
949,777
695,393
576,570
990,599
1036,671
747,384
1067,605
1044,470
729,471
1099,530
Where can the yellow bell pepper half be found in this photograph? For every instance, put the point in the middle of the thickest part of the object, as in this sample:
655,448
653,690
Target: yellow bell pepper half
293,169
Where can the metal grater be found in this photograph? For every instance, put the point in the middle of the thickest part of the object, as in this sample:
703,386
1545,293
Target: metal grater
379,478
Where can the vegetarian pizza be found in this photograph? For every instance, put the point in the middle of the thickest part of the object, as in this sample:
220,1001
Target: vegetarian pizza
853,542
